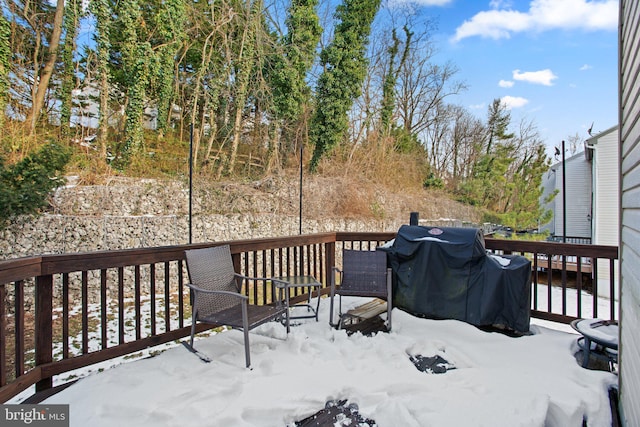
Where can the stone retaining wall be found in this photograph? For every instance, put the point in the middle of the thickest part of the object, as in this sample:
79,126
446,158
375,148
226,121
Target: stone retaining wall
54,234
144,213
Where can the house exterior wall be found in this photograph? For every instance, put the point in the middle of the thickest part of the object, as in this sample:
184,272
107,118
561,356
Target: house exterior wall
548,187
629,99
578,201
606,200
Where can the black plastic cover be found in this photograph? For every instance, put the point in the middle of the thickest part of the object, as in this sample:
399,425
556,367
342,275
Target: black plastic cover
446,273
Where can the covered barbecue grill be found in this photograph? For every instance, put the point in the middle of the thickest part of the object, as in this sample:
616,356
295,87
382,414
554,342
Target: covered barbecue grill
446,273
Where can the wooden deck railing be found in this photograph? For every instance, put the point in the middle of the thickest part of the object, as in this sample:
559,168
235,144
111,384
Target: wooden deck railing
59,313
570,271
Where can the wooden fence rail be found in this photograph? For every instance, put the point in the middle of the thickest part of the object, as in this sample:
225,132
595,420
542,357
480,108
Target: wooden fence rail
63,312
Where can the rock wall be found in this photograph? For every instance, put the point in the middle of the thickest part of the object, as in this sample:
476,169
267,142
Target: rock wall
125,213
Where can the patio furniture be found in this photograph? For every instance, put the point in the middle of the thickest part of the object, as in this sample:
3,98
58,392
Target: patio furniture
599,339
363,274
308,282
216,297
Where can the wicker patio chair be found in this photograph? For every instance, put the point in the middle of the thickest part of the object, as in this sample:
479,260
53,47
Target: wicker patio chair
216,297
364,274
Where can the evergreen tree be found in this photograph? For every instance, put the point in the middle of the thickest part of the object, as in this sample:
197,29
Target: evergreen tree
488,177
291,90
498,122
506,179
291,93
522,209
345,67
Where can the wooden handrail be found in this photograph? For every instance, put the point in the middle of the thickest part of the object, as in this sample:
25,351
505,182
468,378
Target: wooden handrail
553,248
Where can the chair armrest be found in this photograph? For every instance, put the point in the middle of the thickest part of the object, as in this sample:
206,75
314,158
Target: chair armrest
243,277
206,291
282,287
240,277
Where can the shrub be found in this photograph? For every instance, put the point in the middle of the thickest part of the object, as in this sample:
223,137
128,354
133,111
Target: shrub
25,185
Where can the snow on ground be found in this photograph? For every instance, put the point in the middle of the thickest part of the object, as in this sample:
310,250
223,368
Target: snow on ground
497,381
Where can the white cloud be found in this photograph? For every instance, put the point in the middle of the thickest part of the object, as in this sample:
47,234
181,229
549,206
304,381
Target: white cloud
586,67
512,102
505,83
542,15
543,77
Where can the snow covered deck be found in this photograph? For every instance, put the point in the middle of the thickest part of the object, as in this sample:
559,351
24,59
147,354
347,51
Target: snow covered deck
493,379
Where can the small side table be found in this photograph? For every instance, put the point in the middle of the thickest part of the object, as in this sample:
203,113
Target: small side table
599,339
310,282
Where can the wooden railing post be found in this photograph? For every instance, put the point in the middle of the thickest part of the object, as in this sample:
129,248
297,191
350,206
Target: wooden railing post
330,250
44,327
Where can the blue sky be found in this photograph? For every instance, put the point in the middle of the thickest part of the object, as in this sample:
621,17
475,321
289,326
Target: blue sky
552,61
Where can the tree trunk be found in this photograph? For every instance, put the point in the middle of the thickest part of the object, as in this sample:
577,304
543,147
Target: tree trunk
244,60
47,71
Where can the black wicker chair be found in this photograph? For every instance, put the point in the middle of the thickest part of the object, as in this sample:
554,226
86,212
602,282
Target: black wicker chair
364,274
216,297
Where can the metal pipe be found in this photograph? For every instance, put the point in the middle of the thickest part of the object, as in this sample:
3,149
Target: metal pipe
300,210
564,198
190,182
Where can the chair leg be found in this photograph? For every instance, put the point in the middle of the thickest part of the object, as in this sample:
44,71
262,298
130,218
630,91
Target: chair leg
245,328
193,326
389,298
287,321
586,352
389,314
333,291
286,304
247,354
339,324
340,316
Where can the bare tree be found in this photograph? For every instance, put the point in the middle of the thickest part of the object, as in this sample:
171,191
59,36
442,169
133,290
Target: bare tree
455,143
41,84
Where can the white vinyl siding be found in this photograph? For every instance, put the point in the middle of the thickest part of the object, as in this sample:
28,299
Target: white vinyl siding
606,200
630,231
548,187
578,201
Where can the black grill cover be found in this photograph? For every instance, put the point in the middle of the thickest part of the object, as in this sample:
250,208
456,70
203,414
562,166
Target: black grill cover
446,273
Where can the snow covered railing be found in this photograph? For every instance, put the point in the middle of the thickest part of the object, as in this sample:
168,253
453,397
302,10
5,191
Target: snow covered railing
59,313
